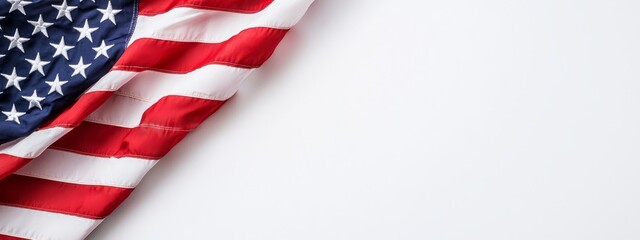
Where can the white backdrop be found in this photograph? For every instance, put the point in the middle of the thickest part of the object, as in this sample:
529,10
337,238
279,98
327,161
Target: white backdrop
457,119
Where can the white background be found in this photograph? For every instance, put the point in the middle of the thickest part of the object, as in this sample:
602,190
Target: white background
456,119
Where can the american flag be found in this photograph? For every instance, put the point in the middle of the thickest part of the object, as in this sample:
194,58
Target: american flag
51,52
96,91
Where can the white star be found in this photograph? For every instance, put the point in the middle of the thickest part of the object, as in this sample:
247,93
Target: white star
16,41
18,5
79,68
40,26
61,49
13,115
1,17
102,50
85,31
64,10
37,64
34,100
56,85
13,79
109,13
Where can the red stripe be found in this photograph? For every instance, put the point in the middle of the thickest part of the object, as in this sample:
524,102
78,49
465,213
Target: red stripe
189,55
7,237
110,141
11,164
154,7
81,200
74,115
248,49
186,113
69,118
163,125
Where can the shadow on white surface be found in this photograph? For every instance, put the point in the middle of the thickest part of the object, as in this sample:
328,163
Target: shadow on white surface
458,119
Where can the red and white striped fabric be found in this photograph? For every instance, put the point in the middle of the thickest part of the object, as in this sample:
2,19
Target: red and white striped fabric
186,58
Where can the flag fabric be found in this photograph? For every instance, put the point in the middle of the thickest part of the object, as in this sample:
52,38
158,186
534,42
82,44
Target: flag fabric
183,60
51,52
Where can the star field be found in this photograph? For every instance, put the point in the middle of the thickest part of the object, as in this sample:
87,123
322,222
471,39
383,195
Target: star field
51,52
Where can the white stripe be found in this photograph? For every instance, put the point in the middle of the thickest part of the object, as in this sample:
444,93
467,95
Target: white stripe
211,26
81,169
120,111
214,82
34,144
126,107
34,224
112,81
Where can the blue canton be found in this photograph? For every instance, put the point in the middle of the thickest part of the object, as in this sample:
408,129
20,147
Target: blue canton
51,51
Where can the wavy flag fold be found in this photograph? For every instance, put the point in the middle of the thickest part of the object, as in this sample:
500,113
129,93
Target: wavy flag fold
108,90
